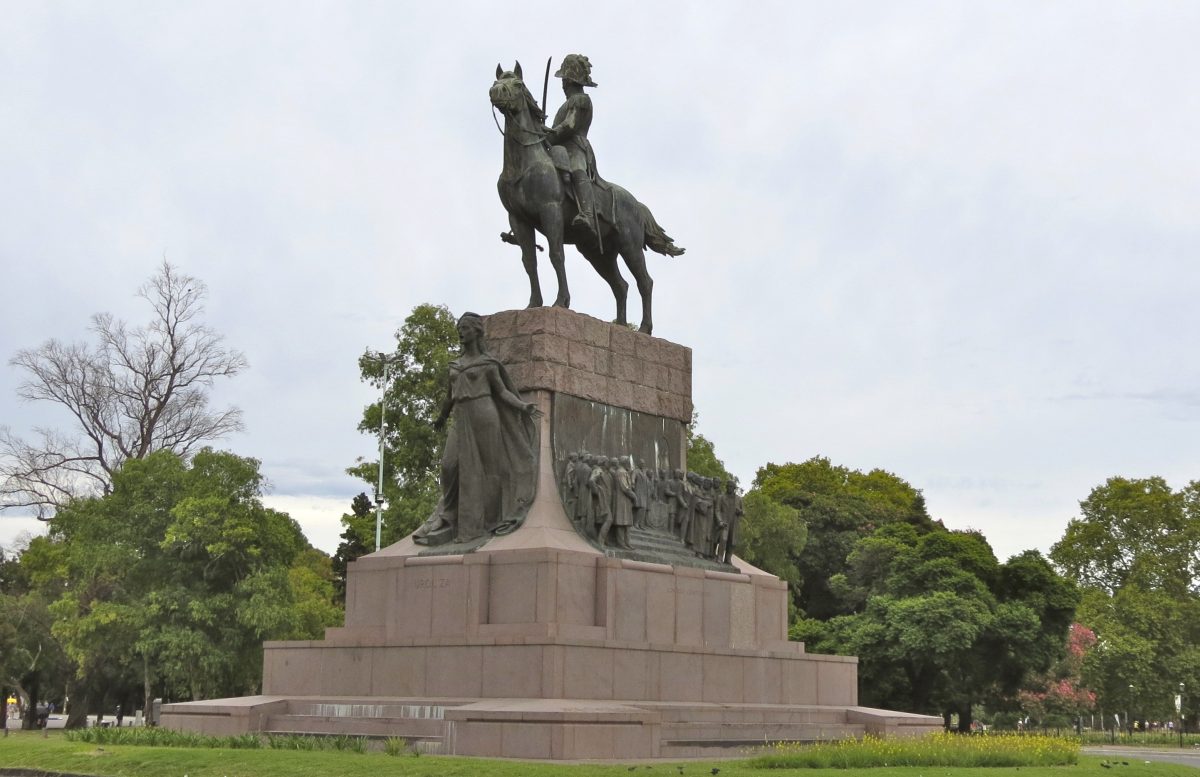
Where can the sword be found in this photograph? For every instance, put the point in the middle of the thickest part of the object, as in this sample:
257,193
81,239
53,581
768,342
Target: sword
546,87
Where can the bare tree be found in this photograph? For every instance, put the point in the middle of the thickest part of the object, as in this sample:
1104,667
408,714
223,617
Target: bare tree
135,391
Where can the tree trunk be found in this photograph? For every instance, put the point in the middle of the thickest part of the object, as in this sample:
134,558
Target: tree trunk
964,718
77,717
4,709
146,700
30,722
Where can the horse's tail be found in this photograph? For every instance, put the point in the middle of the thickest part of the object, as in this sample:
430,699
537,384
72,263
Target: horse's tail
657,240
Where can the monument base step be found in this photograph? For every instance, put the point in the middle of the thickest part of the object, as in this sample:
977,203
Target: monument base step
550,729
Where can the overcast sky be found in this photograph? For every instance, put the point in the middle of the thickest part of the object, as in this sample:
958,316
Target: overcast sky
957,241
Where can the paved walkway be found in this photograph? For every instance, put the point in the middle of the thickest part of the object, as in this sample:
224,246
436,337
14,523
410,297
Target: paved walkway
1188,756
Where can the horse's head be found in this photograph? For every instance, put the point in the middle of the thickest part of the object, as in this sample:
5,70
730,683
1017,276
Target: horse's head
508,93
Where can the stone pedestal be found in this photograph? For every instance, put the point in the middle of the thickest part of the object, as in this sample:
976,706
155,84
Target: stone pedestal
541,645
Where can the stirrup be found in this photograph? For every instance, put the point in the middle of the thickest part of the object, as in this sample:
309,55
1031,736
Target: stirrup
583,222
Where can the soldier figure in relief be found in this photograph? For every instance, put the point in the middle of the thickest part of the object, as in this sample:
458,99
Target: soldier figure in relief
582,473
569,132
601,485
643,488
570,495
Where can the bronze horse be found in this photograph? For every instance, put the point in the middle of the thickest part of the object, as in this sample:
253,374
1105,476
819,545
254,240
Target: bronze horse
534,192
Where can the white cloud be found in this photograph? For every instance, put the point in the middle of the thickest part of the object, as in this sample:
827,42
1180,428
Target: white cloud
912,230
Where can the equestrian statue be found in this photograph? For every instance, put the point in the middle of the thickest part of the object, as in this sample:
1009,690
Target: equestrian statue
549,184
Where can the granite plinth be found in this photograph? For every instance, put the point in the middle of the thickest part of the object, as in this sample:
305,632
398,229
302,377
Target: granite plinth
570,353
539,644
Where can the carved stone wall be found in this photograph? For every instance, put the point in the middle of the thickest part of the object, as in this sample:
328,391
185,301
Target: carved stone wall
566,352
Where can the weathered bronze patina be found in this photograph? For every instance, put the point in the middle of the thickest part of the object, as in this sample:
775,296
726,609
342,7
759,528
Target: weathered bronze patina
549,184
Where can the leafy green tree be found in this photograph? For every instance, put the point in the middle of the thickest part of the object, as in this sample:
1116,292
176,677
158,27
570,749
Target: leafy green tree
1147,639
772,534
1135,549
839,506
1057,697
32,662
176,577
938,624
357,526
417,372
1134,531
702,455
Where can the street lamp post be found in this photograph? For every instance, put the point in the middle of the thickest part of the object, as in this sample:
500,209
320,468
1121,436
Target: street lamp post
382,436
1179,712
1129,720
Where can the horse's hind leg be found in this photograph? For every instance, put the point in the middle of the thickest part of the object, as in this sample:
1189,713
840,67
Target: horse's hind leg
524,235
635,260
552,228
608,269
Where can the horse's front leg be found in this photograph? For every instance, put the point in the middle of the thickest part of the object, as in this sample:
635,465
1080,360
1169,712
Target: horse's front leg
552,228
524,237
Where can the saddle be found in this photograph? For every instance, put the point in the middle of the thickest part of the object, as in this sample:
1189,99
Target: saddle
562,163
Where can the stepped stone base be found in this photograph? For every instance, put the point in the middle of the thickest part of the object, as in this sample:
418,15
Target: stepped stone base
548,728
539,644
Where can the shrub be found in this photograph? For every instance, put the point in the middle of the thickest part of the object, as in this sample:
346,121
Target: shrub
940,749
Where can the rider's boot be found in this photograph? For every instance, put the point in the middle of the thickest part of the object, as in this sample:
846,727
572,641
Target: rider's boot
586,218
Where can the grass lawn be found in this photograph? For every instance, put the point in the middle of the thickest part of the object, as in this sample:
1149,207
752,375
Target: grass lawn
54,754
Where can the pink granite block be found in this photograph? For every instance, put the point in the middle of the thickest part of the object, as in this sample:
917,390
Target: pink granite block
292,671
502,324
680,676
546,592
448,600
452,670
529,376
722,678
346,671
548,347
837,684
645,400
678,382
512,350
510,593
581,383
581,356
676,356
604,362
716,613
553,666
635,741
649,349
632,676
534,321
619,393
755,688
399,671
594,741
689,610
481,738
587,673
627,368
770,606
597,333
629,615
414,595
623,340
525,740
799,682
577,594
513,671
573,327
658,376
660,609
